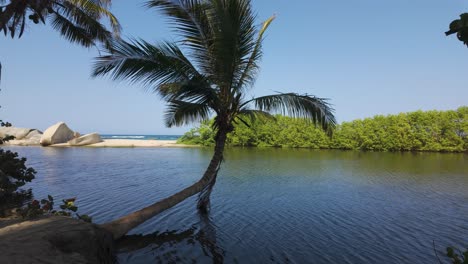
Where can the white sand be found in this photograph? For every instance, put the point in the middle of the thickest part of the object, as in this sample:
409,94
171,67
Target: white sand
130,143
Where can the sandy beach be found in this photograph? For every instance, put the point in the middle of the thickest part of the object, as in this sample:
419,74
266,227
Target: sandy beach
130,143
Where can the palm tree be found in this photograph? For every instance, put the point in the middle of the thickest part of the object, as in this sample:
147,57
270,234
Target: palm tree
223,47
76,20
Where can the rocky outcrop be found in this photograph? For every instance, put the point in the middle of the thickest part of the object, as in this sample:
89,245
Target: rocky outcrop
18,132
23,136
55,240
86,140
58,133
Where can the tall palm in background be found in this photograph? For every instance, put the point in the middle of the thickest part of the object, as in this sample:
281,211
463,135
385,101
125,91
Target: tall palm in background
209,71
76,20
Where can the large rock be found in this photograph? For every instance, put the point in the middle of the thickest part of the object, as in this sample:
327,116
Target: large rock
86,140
31,139
18,132
58,133
55,240
23,136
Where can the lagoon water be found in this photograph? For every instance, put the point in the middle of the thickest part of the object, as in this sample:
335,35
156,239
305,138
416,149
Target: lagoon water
269,205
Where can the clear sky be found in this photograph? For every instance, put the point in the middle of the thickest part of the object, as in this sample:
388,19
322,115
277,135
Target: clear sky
369,57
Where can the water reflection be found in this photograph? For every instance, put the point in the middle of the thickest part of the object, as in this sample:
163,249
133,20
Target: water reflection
207,239
270,205
165,245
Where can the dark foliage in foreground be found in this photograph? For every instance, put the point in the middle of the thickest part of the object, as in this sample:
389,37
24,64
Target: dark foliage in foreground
13,175
456,256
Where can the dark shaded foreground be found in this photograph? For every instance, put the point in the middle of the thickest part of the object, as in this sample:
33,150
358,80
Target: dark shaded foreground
54,240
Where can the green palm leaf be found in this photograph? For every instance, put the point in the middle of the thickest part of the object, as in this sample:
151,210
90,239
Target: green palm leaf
189,19
140,61
70,31
299,106
182,113
74,19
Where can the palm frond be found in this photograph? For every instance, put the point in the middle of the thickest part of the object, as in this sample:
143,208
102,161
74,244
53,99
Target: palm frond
98,9
182,113
250,66
83,18
299,106
233,38
189,18
70,31
252,115
140,61
195,90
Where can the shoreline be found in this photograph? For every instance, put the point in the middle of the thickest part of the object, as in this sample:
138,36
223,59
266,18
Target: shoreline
116,143
130,143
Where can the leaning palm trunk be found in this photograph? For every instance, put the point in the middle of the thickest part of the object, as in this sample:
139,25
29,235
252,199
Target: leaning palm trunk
123,225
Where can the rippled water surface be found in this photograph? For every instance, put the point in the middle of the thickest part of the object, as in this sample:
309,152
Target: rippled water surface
269,205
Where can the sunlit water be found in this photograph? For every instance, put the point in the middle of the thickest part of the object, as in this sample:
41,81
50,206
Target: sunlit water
269,205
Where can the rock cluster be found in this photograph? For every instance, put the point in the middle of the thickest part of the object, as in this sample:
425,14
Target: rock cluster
59,133
23,136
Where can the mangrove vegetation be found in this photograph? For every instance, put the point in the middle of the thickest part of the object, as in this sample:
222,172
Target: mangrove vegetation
445,131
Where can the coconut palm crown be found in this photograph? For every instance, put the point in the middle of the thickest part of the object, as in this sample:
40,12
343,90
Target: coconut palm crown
209,71
77,20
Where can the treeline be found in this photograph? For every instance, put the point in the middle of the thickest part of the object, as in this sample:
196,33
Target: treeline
414,131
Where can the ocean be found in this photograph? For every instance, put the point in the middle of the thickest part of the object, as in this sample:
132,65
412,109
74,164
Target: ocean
141,137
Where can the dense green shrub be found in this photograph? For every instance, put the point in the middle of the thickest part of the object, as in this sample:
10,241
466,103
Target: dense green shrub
202,135
13,175
415,131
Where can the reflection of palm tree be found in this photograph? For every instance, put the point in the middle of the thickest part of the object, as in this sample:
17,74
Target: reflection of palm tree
206,236
223,46
135,242
208,239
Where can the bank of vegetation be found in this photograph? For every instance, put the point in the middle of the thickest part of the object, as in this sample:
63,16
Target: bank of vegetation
445,131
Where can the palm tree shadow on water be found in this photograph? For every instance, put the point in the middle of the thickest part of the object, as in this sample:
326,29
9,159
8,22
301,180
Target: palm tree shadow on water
202,233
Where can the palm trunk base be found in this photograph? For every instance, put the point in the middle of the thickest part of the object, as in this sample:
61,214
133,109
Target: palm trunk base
204,202
204,186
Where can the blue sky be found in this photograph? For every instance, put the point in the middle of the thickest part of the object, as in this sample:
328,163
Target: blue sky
368,57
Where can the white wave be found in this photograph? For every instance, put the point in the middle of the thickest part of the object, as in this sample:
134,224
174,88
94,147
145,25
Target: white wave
127,136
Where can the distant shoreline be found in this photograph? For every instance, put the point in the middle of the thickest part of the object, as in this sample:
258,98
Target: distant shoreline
131,143
140,137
